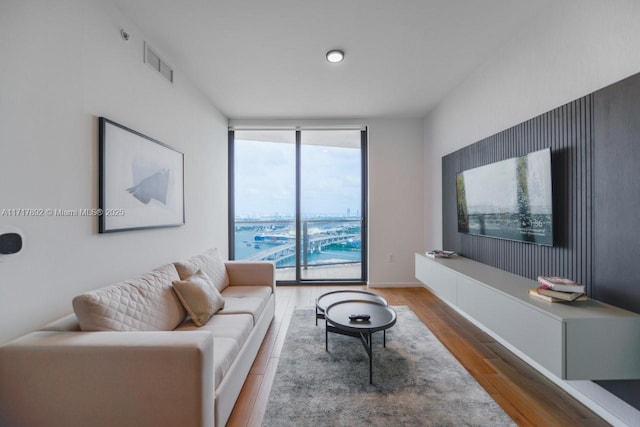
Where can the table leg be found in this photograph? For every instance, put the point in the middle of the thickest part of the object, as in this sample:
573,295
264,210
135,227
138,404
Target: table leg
370,360
326,335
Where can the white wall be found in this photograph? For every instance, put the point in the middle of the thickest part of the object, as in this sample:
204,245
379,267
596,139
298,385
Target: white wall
396,194
574,48
62,65
570,50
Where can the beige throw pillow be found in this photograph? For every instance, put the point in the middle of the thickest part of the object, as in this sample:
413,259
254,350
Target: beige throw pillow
211,263
199,297
144,303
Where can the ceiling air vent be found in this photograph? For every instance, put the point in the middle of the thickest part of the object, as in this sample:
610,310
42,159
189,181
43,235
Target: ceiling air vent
155,62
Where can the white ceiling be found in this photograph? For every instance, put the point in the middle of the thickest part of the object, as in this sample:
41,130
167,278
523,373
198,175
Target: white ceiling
266,58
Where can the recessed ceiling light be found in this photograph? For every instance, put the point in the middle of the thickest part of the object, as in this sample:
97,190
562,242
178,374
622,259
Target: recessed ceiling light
335,56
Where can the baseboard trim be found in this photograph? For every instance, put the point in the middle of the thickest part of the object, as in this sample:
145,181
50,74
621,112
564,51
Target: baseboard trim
395,285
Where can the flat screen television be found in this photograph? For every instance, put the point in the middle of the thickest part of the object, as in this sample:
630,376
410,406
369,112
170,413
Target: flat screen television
510,199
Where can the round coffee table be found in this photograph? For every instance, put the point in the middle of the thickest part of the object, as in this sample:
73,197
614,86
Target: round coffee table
339,318
325,300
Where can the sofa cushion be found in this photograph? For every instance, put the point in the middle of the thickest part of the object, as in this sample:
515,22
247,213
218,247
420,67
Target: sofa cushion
199,297
248,291
145,303
210,262
229,333
237,326
245,299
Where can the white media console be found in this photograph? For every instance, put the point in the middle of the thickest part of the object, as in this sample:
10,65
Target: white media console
587,340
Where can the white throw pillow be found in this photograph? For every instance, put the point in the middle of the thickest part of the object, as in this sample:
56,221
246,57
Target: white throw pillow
199,297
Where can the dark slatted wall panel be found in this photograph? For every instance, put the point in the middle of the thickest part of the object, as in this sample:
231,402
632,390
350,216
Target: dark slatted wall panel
568,131
616,198
616,203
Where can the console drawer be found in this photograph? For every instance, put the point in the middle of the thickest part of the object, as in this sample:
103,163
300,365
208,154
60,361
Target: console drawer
536,334
441,280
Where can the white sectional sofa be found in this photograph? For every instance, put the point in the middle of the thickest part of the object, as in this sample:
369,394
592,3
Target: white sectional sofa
130,354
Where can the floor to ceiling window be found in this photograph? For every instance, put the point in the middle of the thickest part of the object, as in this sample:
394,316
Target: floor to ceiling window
297,198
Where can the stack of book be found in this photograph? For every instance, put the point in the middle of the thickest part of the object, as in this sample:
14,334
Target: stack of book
438,253
558,289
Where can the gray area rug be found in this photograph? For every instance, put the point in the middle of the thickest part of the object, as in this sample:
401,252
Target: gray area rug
416,381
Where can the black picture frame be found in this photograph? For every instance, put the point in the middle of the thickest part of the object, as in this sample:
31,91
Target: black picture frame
141,181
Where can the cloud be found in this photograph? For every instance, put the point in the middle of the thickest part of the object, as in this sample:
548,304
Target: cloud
265,179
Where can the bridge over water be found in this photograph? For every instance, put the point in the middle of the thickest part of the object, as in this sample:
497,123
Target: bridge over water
283,252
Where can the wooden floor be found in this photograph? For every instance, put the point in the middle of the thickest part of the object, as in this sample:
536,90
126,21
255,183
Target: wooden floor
526,395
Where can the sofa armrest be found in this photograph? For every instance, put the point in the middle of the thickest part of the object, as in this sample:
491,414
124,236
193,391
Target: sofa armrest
251,273
108,379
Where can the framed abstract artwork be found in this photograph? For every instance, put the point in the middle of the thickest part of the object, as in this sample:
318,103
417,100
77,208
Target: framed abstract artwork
141,181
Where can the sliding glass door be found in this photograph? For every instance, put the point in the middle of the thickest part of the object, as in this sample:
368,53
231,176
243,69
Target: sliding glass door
297,198
331,205
263,197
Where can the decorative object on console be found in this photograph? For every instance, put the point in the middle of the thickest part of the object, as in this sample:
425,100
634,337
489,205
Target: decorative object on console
438,253
141,181
561,284
557,296
566,296
558,289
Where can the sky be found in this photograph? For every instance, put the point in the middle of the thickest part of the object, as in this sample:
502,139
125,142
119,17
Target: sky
265,179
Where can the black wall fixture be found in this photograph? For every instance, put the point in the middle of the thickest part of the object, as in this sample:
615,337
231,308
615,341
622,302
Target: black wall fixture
595,154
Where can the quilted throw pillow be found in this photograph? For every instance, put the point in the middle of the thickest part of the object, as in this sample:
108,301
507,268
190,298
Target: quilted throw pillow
146,303
210,263
199,296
